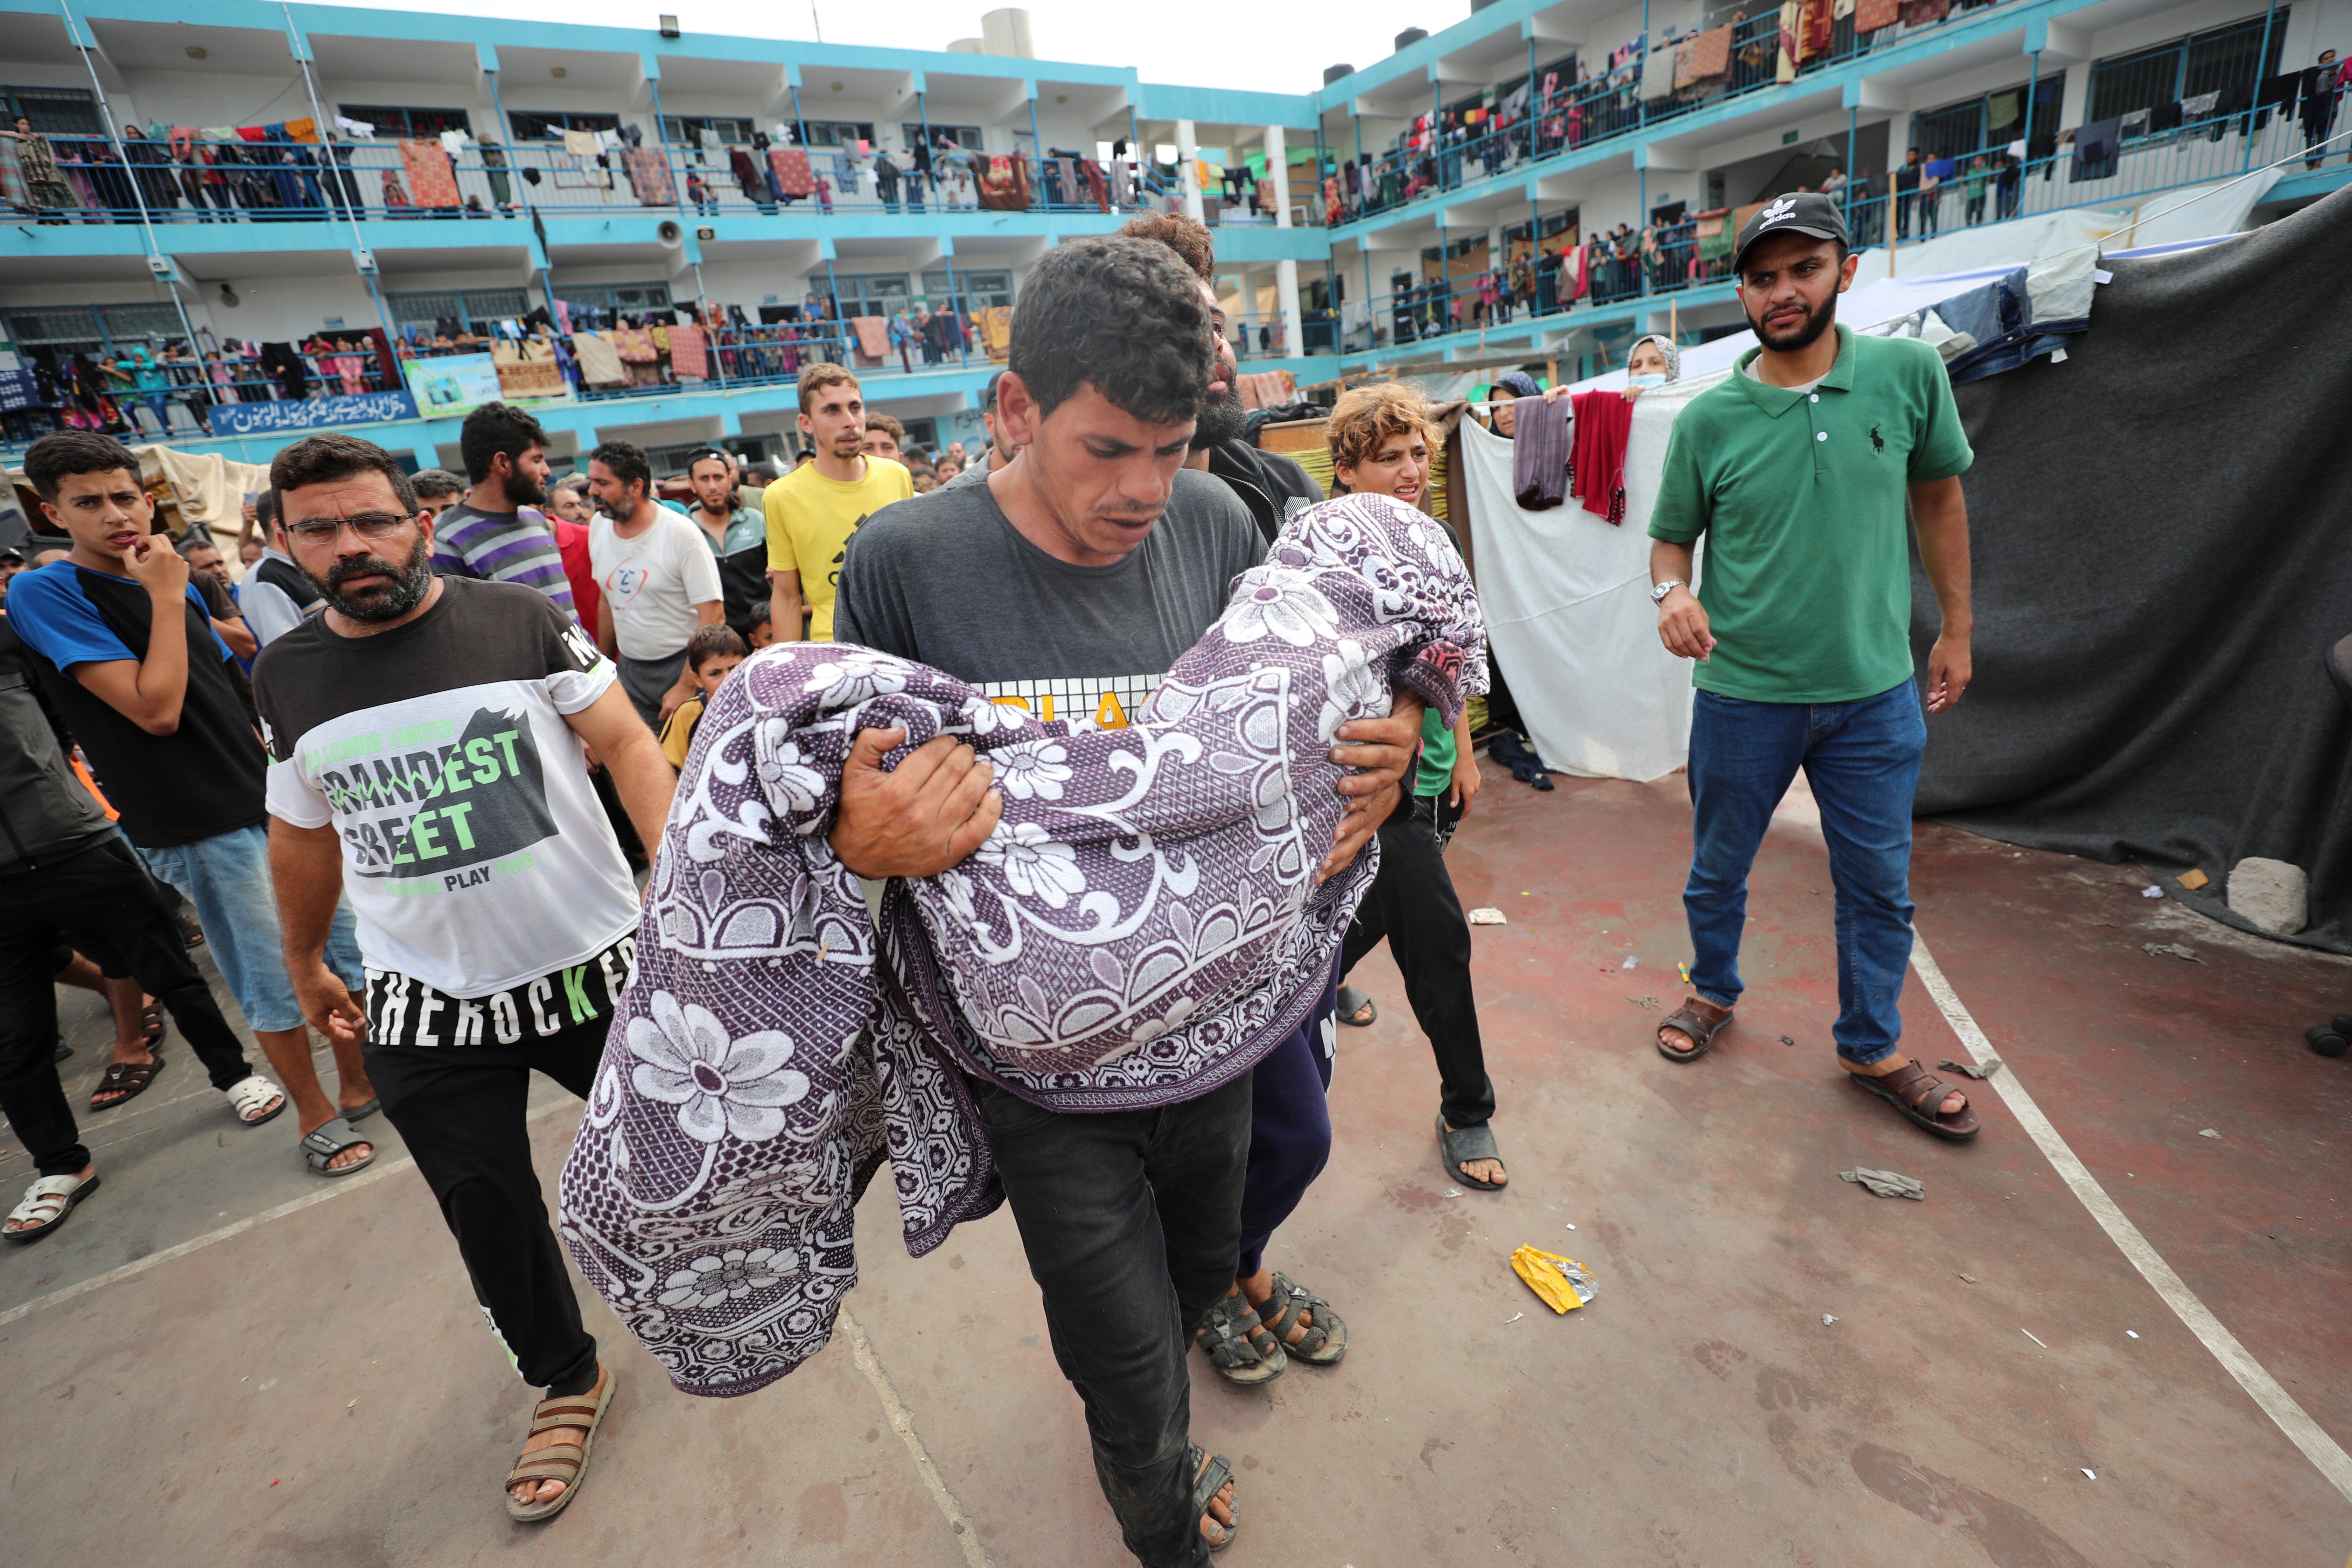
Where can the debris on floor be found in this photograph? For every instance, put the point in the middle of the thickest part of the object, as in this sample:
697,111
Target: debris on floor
2091,1474
2171,950
1562,1282
2030,1334
1488,916
1631,962
2207,1133
1645,1001
1684,969
2133,1333
1991,1065
1787,1041
1827,1320
1968,1278
2194,880
2151,891
1887,1183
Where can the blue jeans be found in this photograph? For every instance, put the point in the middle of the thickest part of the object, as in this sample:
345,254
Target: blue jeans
227,877
1863,762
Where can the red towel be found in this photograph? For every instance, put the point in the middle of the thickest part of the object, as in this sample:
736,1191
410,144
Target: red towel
1597,452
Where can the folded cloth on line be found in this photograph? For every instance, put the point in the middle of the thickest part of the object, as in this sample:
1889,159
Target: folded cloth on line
1539,453
1597,456
1142,926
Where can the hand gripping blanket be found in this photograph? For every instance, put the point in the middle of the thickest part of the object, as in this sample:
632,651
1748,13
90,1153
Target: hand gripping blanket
1142,926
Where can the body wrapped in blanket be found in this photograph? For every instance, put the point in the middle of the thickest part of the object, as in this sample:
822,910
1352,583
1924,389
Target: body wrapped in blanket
1141,927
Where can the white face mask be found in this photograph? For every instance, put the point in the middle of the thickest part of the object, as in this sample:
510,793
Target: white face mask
1645,381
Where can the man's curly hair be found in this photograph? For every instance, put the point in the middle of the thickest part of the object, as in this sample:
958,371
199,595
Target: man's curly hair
1188,237
1122,315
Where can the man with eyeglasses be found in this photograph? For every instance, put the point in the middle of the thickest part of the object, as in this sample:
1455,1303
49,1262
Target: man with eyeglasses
424,738
128,656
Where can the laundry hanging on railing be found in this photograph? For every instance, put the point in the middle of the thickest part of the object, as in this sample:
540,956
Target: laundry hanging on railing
599,362
649,176
431,182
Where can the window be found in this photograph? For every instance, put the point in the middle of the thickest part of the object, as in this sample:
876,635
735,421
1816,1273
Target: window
686,129
839,132
472,309
629,299
531,126
972,290
1993,120
392,123
96,329
876,294
965,136
923,433
54,110
2212,62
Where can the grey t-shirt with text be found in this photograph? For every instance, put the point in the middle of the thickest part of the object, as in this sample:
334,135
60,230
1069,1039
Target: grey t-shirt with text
946,578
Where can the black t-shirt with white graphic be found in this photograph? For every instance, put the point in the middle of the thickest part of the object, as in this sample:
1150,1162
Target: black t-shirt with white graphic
475,852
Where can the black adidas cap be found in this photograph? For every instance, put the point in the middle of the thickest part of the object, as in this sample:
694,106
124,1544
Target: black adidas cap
1804,213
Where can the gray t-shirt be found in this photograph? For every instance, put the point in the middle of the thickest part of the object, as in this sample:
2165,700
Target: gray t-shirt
947,579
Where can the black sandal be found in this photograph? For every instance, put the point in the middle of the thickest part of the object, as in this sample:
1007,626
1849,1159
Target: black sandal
150,1021
1325,1341
1686,1020
1353,1001
1457,1144
1206,1484
1237,1345
127,1080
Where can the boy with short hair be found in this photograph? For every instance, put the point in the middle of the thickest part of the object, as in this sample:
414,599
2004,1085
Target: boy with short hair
128,657
763,628
437,489
884,437
710,653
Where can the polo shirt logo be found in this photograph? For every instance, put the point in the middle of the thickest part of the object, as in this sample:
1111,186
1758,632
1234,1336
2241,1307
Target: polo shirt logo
1877,441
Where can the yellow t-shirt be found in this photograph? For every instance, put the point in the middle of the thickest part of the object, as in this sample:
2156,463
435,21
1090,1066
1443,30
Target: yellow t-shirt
677,734
810,520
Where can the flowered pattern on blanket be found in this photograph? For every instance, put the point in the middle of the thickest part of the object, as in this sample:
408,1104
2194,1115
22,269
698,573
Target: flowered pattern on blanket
1142,926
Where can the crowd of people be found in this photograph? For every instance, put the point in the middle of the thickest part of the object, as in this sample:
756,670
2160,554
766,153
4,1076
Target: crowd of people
514,754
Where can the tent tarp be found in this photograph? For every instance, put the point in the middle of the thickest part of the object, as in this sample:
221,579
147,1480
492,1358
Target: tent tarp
2160,560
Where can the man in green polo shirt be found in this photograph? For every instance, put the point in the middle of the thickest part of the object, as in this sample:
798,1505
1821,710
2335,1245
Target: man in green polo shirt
1797,470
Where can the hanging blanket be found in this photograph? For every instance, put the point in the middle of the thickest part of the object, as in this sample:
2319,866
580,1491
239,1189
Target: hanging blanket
633,345
1816,25
600,363
526,370
791,167
1142,927
1712,56
1004,184
872,339
687,359
1869,16
431,181
996,331
649,175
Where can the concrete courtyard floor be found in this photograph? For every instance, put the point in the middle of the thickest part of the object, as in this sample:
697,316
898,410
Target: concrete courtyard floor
224,1358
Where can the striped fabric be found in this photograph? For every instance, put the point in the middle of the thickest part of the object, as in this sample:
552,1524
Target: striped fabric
516,547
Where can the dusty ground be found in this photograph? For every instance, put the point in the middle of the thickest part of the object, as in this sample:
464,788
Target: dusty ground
316,1386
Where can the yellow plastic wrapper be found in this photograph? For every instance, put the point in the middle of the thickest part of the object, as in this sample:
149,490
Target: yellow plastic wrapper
1562,1281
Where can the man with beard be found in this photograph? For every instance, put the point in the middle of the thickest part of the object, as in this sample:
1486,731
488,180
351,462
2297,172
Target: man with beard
129,661
424,740
1796,468
1270,485
812,511
498,532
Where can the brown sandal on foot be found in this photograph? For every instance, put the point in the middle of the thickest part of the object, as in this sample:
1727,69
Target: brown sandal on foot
565,1462
1916,1094
1689,1020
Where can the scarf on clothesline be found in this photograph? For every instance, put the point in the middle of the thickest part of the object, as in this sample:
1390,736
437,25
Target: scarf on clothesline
1142,927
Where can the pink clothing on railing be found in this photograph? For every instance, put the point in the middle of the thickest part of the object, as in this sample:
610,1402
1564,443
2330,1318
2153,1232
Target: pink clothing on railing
222,379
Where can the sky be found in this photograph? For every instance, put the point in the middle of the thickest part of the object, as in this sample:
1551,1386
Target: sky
1221,43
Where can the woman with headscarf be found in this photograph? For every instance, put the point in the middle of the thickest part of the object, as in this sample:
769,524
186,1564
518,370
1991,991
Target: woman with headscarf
1509,389
1653,362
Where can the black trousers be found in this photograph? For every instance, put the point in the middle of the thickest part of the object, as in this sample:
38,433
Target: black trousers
1414,907
103,901
460,1109
1132,1223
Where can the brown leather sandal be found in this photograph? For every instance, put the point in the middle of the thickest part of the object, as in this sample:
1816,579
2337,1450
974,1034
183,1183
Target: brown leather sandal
1691,1021
565,1462
1916,1094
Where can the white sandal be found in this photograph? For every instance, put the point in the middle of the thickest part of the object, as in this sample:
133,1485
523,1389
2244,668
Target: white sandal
249,1097
49,1200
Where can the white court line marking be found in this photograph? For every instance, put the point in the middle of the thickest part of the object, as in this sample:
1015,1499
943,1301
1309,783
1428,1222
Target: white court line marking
903,1424
2277,1403
341,1184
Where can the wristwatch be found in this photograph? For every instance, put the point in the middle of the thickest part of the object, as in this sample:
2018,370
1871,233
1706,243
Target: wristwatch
1659,591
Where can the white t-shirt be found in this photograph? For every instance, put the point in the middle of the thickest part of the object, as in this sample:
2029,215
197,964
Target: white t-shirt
653,582
475,853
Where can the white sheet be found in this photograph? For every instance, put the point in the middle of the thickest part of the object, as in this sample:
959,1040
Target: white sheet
1566,602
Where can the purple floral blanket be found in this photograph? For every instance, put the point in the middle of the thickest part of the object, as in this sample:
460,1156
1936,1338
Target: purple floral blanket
1142,926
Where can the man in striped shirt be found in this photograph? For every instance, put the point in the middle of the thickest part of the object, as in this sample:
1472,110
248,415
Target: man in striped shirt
496,533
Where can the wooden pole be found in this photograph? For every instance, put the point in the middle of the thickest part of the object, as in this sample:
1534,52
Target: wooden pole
1551,373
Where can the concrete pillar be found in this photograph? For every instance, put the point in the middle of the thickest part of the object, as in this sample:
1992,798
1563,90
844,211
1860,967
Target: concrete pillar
1286,271
1188,169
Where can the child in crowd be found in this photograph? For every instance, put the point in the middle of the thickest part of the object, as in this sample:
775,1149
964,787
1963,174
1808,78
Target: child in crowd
762,630
710,653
